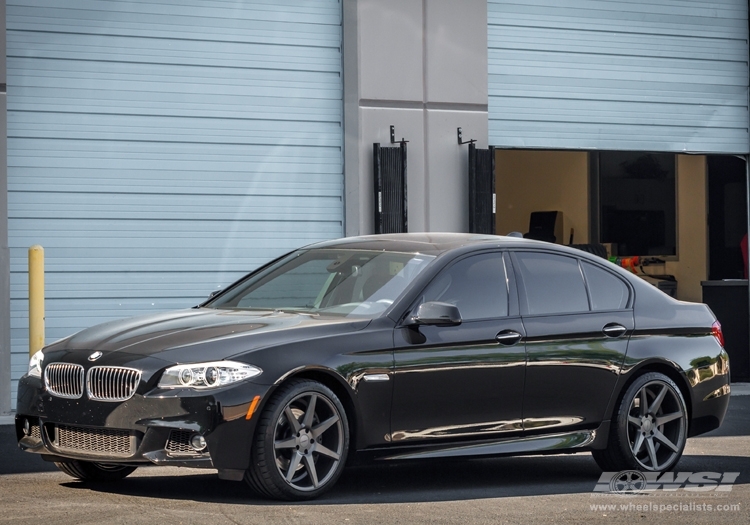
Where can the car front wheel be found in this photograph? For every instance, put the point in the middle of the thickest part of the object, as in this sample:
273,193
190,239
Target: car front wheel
300,444
650,428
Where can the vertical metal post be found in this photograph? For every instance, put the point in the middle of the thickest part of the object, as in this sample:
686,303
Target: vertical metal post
472,188
36,299
482,200
403,187
390,188
378,226
747,202
594,216
493,229
5,375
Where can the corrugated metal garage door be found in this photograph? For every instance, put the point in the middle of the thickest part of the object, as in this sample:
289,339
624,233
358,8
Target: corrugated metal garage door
159,150
659,75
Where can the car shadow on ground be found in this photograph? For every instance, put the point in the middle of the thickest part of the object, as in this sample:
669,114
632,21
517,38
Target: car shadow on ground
417,482
407,482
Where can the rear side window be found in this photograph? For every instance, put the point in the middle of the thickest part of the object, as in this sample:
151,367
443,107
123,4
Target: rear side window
553,283
608,292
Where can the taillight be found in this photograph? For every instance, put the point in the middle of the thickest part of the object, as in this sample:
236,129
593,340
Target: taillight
717,333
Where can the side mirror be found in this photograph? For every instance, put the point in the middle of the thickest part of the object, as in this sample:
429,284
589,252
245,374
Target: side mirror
434,313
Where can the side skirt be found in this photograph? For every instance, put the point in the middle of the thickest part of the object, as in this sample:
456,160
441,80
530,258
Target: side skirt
542,444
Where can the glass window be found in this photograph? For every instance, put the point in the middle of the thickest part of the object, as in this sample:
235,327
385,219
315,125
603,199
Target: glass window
352,283
638,202
607,291
477,285
554,283
298,287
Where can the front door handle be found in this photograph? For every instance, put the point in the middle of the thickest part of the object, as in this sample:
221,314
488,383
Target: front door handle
614,330
508,337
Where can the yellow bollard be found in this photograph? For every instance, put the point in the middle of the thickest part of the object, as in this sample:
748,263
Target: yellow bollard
36,299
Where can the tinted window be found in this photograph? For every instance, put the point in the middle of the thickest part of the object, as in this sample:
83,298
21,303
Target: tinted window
476,285
297,287
354,283
607,291
554,284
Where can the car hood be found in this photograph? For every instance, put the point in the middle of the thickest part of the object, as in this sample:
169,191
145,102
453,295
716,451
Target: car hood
203,333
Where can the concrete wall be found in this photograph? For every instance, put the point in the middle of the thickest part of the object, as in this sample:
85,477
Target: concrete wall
530,181
420,65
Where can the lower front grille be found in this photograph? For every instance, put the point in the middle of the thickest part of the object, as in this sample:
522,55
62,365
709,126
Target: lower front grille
179,442
35,431
96,441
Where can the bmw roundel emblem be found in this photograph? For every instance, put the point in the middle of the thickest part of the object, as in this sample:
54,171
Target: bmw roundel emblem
96,355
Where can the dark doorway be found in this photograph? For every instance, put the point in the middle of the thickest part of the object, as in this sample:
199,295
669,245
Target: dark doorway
638,202
727,216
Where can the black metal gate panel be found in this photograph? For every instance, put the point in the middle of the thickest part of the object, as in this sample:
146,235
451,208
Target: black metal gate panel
390,189
481,190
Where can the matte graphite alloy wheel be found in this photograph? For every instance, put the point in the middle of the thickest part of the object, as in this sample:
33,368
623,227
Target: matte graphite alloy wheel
300,444
650,428
88,471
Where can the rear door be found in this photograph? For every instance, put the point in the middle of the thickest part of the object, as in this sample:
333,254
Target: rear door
578,318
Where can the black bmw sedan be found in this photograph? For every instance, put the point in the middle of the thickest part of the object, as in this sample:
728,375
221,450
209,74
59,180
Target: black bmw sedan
388,347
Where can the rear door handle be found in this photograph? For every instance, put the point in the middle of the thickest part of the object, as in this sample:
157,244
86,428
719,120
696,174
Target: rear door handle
614,330
508,337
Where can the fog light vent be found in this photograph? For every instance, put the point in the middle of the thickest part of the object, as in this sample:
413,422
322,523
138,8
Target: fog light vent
179,442
31,428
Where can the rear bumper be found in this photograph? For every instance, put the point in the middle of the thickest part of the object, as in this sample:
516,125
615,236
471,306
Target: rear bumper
710,392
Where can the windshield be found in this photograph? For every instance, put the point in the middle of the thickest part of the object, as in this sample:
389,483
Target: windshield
350,283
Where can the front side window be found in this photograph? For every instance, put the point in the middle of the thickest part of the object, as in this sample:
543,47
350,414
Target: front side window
351,283
553,283
476,285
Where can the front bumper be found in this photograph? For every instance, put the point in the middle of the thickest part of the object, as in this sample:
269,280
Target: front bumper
151,428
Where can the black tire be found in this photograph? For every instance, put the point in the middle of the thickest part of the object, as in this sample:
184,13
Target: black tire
89,471
301,442
646,438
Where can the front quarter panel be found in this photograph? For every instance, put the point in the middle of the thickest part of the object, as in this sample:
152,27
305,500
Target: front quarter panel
346,361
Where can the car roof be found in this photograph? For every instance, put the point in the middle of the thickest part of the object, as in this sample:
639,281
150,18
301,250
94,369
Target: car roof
427,243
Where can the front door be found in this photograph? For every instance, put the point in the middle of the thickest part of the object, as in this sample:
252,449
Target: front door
466,381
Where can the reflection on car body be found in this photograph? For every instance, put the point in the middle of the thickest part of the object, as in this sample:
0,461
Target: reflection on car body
379,348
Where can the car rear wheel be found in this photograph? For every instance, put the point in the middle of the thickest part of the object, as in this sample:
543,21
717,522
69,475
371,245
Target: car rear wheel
301,442
649,430
89,471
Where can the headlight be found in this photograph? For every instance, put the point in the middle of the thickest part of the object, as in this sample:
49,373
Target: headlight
207,375
35,364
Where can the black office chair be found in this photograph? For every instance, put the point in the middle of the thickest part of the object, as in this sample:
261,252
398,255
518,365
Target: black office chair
545,226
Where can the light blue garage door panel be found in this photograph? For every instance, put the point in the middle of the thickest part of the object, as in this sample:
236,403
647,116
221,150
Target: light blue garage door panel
662,75
160,150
